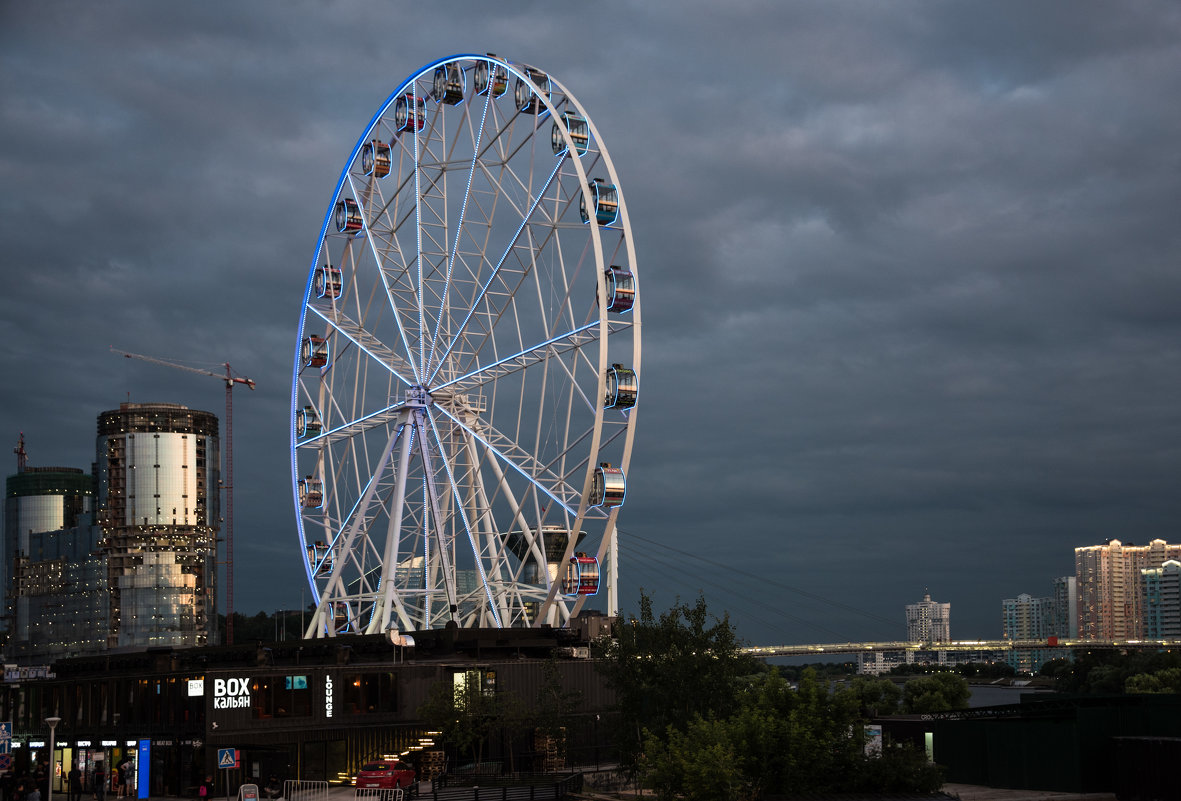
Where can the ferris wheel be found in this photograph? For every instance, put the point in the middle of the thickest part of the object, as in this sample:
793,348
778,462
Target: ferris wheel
467,365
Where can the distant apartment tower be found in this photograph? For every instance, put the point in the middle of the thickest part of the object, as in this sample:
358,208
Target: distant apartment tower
1030,619
1162,601
1066,607
928,621
1111,590
157,470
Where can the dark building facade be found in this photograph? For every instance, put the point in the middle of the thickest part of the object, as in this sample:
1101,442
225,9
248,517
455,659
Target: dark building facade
312,710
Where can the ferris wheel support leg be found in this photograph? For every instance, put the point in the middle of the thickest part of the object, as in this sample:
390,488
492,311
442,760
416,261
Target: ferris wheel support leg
335,587
445,547
493,548
315,628
389,565
613,571
518,515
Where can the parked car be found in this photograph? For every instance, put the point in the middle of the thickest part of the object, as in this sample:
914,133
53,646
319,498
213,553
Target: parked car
386,773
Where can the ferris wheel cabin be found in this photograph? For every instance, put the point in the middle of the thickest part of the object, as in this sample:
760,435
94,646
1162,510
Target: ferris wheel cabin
376,159
582,576
622,387
348,216
608,486
314,351
409,113
327,282
579,132
486,76
320,559
528,102
311,493
449,84
621,289
307,423
605,200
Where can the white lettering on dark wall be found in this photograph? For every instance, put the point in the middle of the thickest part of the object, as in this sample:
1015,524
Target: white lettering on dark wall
231,693
327,696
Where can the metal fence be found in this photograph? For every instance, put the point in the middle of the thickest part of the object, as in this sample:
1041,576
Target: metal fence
378,794
296,790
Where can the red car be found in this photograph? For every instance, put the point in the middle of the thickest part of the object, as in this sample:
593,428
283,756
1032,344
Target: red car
386,774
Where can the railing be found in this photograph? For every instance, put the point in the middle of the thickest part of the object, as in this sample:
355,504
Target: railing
297,790
378,794
956,645
540,787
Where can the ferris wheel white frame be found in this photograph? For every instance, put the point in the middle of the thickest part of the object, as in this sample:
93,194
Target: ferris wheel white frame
466,371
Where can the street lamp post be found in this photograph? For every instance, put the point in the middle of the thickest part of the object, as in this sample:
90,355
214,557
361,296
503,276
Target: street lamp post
52,758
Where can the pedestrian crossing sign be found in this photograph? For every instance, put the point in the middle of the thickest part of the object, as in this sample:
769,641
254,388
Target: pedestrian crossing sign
227,757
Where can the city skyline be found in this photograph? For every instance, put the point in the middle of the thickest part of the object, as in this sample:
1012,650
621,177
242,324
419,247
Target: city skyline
909,273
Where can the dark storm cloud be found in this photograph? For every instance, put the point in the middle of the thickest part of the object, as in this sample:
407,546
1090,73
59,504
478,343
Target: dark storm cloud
909,272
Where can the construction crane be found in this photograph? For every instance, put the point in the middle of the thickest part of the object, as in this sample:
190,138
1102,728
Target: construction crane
22,457
230,380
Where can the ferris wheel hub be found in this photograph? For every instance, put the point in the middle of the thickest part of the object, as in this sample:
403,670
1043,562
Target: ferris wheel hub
418,398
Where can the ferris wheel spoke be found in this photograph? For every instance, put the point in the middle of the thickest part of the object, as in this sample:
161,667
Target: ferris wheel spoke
552,486
522,360
373,347
496,270
459,228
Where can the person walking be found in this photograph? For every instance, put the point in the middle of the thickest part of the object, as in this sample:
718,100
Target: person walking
100,782
74,783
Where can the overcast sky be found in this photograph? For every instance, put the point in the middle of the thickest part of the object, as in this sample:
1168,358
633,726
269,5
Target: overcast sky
911,271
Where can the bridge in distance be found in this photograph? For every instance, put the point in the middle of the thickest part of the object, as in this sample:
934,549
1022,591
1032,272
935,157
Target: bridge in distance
844,648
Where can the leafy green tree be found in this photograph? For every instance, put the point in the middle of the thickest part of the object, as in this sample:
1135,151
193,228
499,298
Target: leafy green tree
1056,668
938,692
875,696
699,764
670,669
1163,681
780,740
466,715
555,704
901,768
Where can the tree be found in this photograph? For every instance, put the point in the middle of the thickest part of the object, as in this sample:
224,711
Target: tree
555,703
938,692
669,670
1162,681
700,764
466,715
875,696
780,740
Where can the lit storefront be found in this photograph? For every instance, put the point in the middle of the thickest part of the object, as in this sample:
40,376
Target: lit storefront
311,709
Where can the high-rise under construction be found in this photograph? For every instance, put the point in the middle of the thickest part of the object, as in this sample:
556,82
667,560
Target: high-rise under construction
157,504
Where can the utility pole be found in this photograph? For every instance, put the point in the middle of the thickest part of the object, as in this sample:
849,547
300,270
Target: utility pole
230,380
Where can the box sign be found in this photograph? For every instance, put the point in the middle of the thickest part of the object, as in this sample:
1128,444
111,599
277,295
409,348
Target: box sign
231,693
196,688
